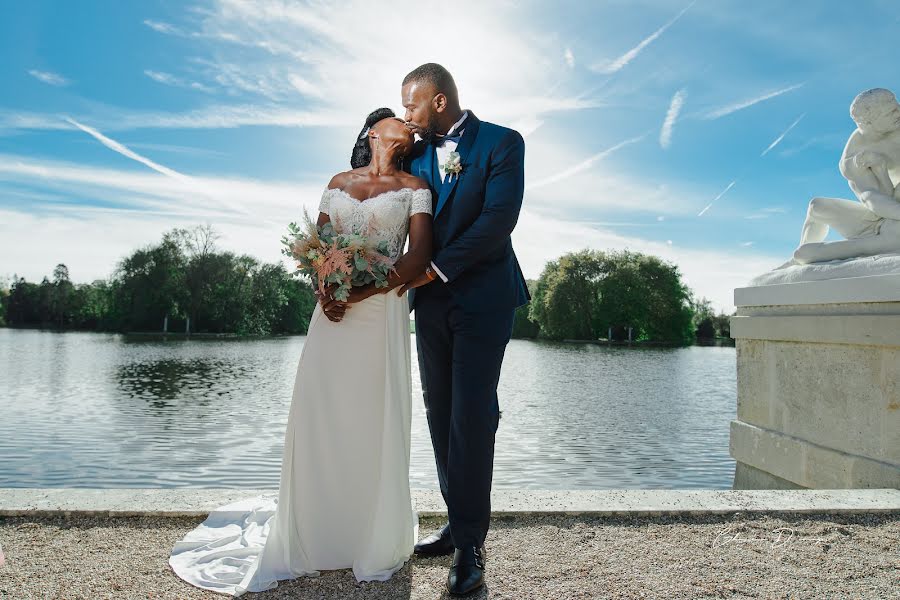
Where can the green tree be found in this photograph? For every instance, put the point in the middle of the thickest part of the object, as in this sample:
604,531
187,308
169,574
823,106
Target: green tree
4,300
566,297
22,303
704,315
93,306
297,311
148,286
585,294
61,296
722,325
198,245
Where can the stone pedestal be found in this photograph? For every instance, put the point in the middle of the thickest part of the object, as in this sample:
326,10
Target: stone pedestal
818,384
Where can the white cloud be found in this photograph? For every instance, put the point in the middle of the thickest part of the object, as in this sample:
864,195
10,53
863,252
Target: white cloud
211,117
561,182
49,78
712,273
665,133
830,141
765,213
505,76
162,27
222,199
732,108
330,53
92,246
172,80
619,63
569,56
304,86
177,149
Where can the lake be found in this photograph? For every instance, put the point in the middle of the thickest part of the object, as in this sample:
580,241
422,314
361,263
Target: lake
106,410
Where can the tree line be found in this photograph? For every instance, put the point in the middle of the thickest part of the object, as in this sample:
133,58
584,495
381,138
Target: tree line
182,284
185,283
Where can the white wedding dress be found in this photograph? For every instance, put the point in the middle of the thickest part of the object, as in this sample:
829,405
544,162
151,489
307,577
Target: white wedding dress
344,499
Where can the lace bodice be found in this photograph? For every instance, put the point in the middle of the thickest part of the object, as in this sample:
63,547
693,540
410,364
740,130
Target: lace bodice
384,217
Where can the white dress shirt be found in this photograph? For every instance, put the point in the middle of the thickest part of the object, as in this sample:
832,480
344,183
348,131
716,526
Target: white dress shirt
447,147
443,151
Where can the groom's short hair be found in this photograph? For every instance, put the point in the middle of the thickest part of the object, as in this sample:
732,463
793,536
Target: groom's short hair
436,75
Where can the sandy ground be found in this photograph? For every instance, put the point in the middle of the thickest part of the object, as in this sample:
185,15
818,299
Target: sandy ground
730,556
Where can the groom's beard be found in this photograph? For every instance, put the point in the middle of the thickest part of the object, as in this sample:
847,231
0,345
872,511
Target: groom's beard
429,132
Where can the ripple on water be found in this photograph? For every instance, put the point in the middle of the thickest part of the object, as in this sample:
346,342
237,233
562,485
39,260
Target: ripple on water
103,410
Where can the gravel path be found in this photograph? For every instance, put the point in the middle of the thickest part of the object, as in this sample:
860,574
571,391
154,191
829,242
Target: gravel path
541,557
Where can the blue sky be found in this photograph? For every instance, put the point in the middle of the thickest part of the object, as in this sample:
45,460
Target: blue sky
121,120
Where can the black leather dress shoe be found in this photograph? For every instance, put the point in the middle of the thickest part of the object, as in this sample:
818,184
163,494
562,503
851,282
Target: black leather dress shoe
467,573
438,543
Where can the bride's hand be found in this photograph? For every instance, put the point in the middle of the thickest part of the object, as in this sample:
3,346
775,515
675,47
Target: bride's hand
323,298
333,309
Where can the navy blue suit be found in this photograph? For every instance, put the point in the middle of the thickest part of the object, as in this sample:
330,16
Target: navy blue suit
463,325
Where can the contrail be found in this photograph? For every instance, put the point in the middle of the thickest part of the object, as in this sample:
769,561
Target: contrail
731,108
730,185
126,151
665,134
190,183
629,56
781,137
583,165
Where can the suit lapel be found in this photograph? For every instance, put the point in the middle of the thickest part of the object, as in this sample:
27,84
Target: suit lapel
465,145
426,162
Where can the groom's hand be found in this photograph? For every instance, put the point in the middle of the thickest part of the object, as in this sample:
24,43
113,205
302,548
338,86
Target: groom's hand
419,281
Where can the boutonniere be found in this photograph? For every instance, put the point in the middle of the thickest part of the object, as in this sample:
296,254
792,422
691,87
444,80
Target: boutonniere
453,164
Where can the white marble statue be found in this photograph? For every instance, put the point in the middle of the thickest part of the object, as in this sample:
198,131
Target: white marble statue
871,164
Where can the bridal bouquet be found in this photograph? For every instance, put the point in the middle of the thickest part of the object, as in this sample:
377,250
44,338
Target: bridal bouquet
342,259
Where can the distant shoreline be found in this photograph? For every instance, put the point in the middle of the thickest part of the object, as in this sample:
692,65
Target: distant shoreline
175,335
701,342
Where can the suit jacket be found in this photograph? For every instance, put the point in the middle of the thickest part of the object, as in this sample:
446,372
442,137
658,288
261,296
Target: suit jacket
478,211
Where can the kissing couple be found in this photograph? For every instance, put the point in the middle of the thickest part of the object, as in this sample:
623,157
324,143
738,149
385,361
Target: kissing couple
344,501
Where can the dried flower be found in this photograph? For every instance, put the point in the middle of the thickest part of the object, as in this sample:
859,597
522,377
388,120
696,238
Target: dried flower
331,258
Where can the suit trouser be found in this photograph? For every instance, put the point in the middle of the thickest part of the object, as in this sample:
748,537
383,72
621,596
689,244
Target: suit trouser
460,354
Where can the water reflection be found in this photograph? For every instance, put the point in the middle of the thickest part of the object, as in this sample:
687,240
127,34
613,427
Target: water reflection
163,380
97,410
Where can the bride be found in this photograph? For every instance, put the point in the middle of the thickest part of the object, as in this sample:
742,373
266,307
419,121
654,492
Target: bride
344,499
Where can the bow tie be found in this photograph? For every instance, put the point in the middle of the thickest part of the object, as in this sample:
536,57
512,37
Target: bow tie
439,141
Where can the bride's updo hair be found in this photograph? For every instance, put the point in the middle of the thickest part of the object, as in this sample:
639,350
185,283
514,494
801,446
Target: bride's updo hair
362,154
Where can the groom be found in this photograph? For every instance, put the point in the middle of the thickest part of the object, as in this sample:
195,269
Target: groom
464,303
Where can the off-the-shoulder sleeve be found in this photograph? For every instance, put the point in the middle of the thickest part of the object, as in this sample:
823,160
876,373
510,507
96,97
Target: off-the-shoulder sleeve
325,203
421,202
